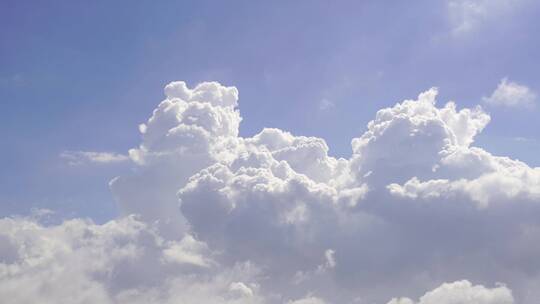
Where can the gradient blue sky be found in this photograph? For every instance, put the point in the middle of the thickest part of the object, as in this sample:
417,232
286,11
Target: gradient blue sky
81,75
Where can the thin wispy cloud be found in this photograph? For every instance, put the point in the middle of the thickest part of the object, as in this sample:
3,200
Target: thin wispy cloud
467,16
326,104
76,158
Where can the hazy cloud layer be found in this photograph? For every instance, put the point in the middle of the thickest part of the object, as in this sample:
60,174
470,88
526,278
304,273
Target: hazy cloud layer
416,212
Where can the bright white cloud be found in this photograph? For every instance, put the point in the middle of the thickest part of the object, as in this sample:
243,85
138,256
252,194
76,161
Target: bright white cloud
511,94
188,131
228,219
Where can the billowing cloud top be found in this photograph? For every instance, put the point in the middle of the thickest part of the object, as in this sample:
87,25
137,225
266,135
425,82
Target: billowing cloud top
211,217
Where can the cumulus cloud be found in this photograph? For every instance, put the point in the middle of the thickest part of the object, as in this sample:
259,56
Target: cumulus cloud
122,261
188,131
462,292
511,94
75,158
227,219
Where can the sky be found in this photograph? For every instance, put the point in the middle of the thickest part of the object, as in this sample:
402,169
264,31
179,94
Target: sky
144,123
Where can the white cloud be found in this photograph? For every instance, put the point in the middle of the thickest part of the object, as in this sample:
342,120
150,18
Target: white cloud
511,94
290,198
412,138
228,219
330,259
240,289
121,261
468,15
188,131
462,292
75,158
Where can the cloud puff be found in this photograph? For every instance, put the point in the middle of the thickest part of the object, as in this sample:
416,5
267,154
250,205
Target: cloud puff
511,94
188,131
412,138
462,292
229,219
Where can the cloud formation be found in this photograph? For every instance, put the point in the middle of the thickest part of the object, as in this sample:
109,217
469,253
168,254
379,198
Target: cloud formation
75,158
122,261
462,292
274,218
468,15
511,94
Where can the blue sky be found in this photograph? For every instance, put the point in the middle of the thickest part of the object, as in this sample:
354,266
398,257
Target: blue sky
77,75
